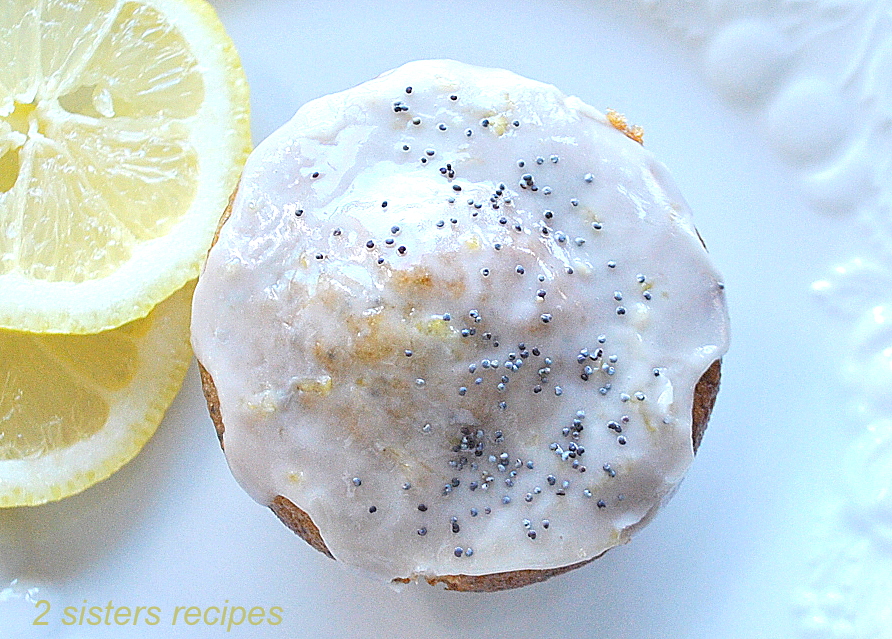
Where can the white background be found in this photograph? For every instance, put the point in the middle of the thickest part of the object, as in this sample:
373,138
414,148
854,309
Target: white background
749,547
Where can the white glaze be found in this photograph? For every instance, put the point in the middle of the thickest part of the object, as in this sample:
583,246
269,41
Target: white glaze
308,355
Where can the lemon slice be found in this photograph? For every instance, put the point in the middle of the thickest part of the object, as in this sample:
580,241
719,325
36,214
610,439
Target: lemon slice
75,408
123,128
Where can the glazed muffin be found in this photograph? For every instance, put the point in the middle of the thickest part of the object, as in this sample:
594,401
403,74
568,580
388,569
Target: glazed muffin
459,326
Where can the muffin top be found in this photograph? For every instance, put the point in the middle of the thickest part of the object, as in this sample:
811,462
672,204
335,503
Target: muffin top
458,317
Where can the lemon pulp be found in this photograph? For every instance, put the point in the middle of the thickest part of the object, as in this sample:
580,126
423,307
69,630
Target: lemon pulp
123,128
75,408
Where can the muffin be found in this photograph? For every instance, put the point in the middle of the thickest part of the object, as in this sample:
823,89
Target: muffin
460,327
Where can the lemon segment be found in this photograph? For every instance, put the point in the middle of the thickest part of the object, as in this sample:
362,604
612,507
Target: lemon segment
123,129
146,67
19,52
75,408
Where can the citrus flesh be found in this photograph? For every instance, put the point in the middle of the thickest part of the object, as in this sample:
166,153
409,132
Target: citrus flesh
123,128
75,408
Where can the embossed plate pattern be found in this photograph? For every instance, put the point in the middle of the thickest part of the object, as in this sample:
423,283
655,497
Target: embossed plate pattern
776,121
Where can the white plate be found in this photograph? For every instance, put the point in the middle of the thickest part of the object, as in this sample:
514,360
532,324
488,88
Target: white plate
774,118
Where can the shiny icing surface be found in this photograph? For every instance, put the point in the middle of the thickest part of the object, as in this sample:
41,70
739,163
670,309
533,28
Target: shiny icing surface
458,317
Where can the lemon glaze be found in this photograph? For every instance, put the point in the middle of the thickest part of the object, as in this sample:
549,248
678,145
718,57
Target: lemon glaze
458,318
